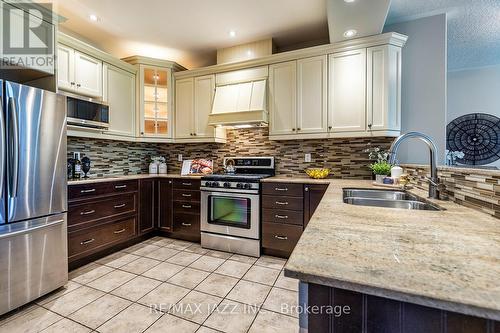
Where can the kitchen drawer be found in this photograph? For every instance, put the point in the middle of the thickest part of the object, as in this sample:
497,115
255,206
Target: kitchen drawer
187,184
187,224
283,216
93,239
186,195
283,189
97,189
280,237
283,202
87,211
186,207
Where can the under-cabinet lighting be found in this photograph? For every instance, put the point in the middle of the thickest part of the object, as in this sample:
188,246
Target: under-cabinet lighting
93,18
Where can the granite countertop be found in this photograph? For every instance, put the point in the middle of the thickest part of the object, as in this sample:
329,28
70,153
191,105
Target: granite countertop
128,177
446,259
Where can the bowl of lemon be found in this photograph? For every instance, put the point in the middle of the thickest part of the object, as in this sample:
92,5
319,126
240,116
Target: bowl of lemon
318,173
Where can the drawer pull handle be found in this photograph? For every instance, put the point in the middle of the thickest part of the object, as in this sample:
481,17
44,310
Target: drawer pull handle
282,203
120,205
281,189
187,184
186,224
187,206
186,195
117,187
88,241
88,212
88,191
119,231
281,237
281,216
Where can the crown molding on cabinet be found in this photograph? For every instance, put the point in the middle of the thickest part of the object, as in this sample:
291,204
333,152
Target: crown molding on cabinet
140,60
94,52
392,38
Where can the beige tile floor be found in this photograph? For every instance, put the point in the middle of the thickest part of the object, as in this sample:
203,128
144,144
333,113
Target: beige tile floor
166,285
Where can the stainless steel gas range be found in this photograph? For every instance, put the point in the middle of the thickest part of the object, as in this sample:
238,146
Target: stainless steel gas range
230,205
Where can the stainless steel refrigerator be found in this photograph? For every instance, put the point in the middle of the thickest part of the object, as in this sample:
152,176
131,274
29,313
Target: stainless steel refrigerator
33,201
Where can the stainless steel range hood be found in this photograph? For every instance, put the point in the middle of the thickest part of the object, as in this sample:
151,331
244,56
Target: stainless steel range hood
240,99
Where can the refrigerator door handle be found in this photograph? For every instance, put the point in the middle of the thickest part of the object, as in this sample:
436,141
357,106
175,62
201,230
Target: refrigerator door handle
2,148
14,149
30,229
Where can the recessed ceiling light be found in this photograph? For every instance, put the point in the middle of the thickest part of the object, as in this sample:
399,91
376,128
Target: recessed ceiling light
350,33
349,1
232,33
93,18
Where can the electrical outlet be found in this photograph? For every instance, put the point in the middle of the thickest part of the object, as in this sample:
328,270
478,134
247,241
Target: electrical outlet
307,158
179,157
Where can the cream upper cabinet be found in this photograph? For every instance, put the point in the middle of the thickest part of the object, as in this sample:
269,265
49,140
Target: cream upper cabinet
88,75
184,108
384,88
283,98
78,73
204,87
347,92
119,94
312,109
65,66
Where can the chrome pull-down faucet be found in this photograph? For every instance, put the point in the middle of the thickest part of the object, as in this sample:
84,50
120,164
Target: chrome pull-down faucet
434,187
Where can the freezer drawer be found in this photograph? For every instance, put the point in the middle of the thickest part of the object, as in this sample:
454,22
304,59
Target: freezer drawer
33,260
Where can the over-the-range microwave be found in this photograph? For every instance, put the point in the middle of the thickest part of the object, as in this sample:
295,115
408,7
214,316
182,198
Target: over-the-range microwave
86,112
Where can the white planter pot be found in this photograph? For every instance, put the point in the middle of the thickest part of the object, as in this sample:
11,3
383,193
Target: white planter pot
380,178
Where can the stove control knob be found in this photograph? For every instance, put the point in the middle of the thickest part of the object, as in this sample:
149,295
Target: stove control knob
215,184
239,185
247,186
227,185
208,184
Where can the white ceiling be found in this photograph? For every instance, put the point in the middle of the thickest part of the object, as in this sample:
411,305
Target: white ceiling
189,31
473,28
367,17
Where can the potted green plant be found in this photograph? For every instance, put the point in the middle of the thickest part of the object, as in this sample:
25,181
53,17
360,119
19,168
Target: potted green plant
381,167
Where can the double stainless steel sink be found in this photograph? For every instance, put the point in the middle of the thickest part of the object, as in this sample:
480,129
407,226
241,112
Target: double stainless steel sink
386,199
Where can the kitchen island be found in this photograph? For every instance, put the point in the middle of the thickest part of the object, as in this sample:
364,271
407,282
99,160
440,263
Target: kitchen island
398,270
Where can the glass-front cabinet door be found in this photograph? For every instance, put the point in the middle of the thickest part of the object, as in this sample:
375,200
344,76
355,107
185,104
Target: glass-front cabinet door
156,102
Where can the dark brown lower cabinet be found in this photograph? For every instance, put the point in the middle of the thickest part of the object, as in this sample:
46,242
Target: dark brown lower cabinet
356,312
165,209
286,210
147,205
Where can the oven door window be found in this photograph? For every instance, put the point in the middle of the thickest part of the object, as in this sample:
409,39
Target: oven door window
229,211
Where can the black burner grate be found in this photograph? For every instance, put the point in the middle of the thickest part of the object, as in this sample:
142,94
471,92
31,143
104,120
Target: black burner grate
477,135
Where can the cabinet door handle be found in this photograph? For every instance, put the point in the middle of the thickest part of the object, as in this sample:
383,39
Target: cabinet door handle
280,237
120,205
186,224
298,129
88,212
281,189
119,231
117,187
72,83
187,184
293,129
282,203
370,126
88,191
88,241
187,206
284,217
330,128
78,85
186,195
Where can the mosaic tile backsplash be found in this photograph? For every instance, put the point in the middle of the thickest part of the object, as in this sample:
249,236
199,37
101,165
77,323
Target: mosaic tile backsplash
477,189
344,156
